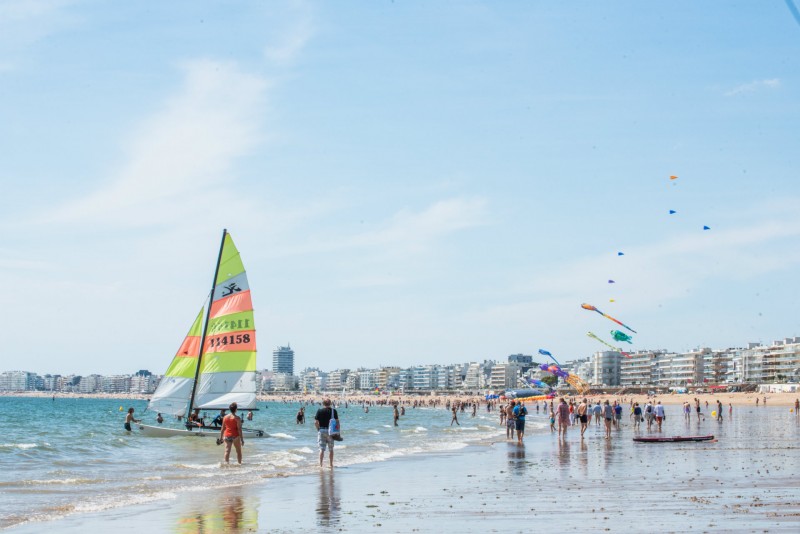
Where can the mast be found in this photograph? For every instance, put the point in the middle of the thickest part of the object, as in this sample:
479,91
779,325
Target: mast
205,325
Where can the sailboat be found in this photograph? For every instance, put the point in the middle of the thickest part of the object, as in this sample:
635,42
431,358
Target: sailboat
216,363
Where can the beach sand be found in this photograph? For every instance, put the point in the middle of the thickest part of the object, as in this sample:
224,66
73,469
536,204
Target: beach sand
736,399
745,481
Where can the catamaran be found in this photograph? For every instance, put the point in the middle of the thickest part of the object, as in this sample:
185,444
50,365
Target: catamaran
216,363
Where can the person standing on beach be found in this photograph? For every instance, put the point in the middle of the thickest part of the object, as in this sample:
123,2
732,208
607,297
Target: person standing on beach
322,421
608,416
687,412
396,415
659,415
719,411
796,408
510,424
562,414
598,412
231,433
455,415
583,410
502,414
129,419
520,411
637,415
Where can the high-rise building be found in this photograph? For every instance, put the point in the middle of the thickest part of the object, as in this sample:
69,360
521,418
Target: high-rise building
283,360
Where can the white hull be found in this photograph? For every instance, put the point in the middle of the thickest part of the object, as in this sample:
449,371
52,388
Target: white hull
167,432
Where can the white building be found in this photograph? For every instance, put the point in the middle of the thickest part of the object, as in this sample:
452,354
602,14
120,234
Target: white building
606,368
505,376
17,381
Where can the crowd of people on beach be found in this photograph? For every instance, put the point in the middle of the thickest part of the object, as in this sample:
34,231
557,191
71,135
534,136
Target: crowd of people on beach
563,413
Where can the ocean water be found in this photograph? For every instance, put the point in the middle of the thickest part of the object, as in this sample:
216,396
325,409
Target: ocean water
72,455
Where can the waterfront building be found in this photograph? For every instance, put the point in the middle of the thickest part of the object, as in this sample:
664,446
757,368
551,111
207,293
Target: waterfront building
141,383
337,379
353,382
474,378
781,361
17,381
283,360
606,368
505,376
424,377
367,379
284,382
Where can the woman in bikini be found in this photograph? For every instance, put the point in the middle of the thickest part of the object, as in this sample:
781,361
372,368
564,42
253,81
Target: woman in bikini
231,433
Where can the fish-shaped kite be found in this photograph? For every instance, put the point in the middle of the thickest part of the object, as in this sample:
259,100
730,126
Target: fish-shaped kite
547,353
592,308
609,345
621,336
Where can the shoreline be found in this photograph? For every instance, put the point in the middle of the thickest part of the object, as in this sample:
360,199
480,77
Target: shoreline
738,399
469,489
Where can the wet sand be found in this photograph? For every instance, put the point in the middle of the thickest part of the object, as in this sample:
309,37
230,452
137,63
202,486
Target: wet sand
745,481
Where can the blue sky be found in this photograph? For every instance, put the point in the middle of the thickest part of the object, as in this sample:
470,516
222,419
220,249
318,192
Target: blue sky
408,182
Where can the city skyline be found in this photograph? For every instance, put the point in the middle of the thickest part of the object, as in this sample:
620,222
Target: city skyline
438,195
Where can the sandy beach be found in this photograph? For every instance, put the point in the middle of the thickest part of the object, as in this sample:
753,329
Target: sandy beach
744,481
734,399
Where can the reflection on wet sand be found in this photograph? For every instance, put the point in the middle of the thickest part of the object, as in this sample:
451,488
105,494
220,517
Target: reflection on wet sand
328,505
228,513
516,458
563,452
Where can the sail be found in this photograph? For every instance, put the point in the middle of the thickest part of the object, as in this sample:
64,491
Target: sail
228,364
173,392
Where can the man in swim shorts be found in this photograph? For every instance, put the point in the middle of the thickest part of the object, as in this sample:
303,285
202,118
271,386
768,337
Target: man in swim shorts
129,419
322,421
510,423
520,411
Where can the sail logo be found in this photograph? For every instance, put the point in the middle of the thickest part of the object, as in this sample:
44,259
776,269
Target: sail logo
230,289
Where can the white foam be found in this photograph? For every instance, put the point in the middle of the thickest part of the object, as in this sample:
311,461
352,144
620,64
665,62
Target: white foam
59,481
372,432
282,436
19,445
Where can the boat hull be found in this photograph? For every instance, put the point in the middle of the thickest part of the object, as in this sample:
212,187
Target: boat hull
167,432
672,439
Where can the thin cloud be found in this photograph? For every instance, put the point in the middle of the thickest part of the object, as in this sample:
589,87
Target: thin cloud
772,83
185,149
291,42
25,22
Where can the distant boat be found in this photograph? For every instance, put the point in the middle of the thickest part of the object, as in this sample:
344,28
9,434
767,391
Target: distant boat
216,363
670,439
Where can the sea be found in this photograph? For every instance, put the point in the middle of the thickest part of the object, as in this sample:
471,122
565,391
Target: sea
64,456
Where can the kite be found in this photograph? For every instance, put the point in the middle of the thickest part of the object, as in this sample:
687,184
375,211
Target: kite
706,228
621,336
620,253
538,383
546,353
611,282
592,308
571,379
673,177
611,300
672,212
592,335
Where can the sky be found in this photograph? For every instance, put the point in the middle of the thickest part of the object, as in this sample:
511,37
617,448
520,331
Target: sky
408,182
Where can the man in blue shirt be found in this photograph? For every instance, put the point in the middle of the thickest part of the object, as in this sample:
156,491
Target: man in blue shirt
520,411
